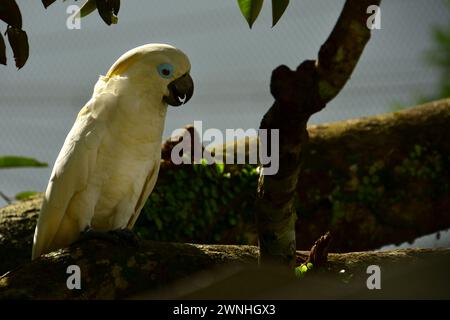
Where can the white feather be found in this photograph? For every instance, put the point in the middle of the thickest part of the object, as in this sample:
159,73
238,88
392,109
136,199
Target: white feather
109,162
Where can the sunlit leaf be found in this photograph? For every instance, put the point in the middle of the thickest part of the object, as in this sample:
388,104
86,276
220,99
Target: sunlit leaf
25,195
10,13
278,8
47,3
88,7
2,51
250,9
18,40
16,162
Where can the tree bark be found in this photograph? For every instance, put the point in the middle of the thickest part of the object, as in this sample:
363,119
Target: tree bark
376,180
298,95
171,270
339,147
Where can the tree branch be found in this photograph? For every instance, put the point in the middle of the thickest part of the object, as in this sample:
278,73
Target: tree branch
299,94
175,270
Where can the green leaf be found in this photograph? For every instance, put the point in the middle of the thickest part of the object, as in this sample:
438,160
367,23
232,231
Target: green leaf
298,272
25,195
2,51
47,3
250,9
106,9
16,162
18,40
278,8
220,167
88,7
115,5
10,13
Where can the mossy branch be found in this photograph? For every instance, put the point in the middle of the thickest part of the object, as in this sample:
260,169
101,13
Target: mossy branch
298,95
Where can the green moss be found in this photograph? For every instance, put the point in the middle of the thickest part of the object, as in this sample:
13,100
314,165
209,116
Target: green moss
423,174
201,203
422,163
214,203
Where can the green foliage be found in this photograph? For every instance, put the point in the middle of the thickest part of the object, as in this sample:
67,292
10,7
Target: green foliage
25,195
438,57
87,8
375,187
421,163
250,9
17,38
301,270
371,189
47,3
366,186
2,51
8,162
16,162
278,9
200,203
108,11
10,13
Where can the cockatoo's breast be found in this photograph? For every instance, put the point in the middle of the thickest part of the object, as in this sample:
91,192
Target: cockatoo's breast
126,155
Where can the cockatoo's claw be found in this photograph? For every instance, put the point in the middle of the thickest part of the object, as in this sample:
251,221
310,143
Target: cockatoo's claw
118,236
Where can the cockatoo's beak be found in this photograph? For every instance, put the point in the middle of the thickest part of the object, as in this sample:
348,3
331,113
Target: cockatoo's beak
180,91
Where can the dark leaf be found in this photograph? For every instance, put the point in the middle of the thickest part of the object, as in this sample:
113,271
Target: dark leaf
10,13
278,8
115,6
19,43
105,10
2,51
250,9
47,3
88,7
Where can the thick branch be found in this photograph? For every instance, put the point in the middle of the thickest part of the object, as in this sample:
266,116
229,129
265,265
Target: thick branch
374,176
339,55
169,270
299,94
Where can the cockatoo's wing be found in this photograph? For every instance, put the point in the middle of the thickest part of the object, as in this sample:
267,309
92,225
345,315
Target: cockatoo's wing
70,175
146,191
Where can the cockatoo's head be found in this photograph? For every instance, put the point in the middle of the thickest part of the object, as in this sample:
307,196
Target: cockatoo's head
160,67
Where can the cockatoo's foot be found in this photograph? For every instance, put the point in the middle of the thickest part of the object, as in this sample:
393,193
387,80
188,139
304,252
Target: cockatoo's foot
116,236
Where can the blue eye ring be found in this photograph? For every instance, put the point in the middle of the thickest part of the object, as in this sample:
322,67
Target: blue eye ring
165,70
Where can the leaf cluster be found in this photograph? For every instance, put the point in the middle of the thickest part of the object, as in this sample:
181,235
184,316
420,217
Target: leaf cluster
250,9
200,203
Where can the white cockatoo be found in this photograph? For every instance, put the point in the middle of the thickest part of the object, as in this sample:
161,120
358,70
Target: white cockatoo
110,160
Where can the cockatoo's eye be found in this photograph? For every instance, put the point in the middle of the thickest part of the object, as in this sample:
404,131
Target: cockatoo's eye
165,70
